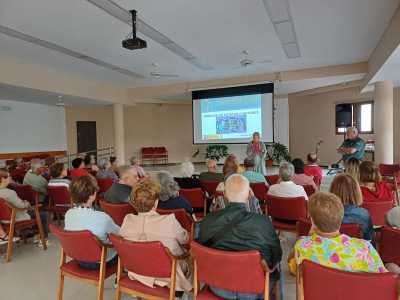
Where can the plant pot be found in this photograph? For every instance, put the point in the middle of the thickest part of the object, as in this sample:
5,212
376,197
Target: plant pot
269,163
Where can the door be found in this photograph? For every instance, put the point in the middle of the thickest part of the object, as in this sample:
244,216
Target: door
86,136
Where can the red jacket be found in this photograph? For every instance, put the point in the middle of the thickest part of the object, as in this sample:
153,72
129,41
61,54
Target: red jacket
382,193
78,172
315,171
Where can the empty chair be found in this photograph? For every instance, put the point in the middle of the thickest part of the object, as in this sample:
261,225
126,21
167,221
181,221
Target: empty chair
377,211
181,215
82,246
243,272
197,199
104,184
272,179
353,230
117,211
316,282
285,212
260,191
59,200
150,259
309,189
389,245
209,187
391,174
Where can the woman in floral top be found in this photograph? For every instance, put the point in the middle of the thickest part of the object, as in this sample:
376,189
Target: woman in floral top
326,246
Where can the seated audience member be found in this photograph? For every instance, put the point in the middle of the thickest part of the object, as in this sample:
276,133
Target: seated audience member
299,177
347,189
211,174
149,226
235,229
251,175
106,171
26,212
231,166
312,168
328,247
120,192
78,168
90,163
35,179
286,187
135,163
4,237
352,167
58,173
169,194
393,220
186,181
82,216
372,187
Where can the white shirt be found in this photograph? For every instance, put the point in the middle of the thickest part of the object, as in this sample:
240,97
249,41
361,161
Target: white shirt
287,189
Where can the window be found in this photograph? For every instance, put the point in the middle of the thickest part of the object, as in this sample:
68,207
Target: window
359,114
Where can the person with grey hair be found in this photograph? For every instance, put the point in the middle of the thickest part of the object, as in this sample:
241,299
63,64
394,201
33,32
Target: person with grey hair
353,146
250,173
106,170
187,181
120,192
35,179
286,187
169,194
211,174
236,229
135,163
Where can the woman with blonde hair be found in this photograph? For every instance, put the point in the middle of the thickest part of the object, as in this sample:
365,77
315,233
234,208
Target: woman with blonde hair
149,226
352,167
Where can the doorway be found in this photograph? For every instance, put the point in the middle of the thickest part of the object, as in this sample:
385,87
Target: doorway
86,136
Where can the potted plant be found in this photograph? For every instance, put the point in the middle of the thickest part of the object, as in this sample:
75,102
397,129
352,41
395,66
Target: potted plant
216,152
276,152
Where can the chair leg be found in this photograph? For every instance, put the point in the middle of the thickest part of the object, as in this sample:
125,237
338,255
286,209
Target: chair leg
40,226
10,244
117,293
60,291
102,271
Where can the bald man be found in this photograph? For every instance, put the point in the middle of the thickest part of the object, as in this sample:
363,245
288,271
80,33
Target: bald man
236,229
211,174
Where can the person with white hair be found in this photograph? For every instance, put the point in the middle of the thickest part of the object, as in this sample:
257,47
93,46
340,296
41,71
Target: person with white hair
286,187
106,170
187,180
211,174
135,163
120,192
236,229
353,146
35,179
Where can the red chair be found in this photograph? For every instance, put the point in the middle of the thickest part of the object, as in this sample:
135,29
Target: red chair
104,184
377,211
209,187
260,191
309,189
25,192
389,245
353,230
82,246
18,174
147,259
391,174
243,271
272,179
181,215
316,282
197,199
7,219
59,200
117,211
285,212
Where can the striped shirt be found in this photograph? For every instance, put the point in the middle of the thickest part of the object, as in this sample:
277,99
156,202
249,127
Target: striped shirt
59,182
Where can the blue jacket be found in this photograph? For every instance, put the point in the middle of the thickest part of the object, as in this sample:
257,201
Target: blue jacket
354,214
175,203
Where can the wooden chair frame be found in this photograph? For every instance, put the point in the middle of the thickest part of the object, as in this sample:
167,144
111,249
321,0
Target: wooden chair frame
119,290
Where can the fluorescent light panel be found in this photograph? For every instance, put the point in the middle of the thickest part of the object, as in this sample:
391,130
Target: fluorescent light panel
49,45
122,14
278,10
291,50
285,32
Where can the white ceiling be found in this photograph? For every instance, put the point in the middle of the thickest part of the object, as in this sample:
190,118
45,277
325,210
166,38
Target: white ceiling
329,32
390,70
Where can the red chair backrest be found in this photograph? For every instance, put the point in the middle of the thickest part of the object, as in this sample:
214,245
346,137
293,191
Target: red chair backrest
353,230
272,179
59,195
18,174
181,215
389,245
25,192
144,258
5,210
291,209
194,196
104,184
309,189
389,170
260,190
320,282
377,211
117,211
209,186
79,245
235,271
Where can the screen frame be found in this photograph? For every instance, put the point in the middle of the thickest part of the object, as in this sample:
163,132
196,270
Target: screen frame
265,88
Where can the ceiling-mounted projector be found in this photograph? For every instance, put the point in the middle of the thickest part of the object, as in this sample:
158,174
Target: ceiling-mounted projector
134,42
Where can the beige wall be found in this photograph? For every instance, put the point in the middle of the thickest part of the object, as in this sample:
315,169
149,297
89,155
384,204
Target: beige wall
396,125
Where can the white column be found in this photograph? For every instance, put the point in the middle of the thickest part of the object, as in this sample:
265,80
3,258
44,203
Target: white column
383,122
119,132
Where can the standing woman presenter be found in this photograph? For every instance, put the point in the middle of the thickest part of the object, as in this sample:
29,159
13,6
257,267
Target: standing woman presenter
256,150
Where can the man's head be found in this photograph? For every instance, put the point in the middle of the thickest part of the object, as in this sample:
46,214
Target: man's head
36,166
237,188
58,170
286,171
352,133
298,165
212,166
249,164
312,158
326,211
78,163
128,175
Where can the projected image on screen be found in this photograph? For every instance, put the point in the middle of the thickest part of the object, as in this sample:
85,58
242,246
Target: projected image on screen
231,123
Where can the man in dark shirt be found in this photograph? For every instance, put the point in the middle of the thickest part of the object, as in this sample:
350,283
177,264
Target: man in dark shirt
353,146
248,231
120,192
211,174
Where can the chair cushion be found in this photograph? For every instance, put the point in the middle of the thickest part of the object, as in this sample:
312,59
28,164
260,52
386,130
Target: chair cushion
284,225
73,268
206,294
20,224
135,285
